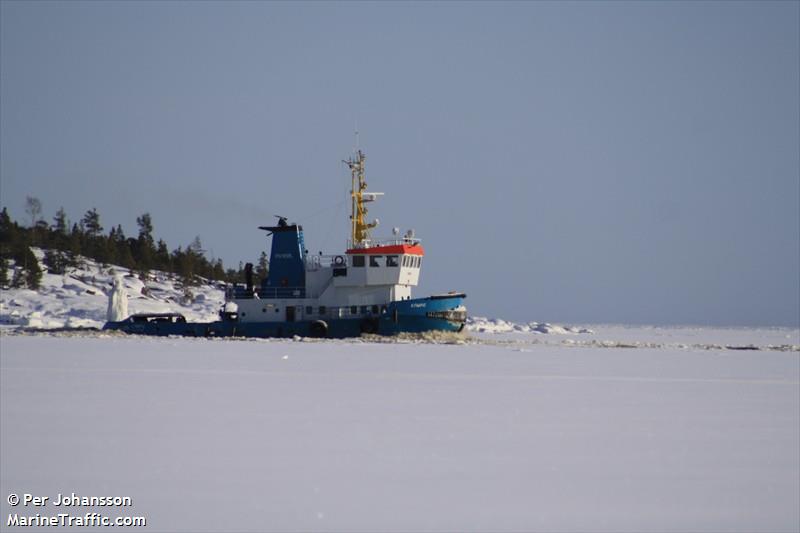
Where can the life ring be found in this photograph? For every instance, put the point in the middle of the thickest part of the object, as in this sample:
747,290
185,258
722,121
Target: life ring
338,260
318,329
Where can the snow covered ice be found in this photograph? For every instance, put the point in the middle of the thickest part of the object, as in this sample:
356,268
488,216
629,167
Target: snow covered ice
517,431
523,427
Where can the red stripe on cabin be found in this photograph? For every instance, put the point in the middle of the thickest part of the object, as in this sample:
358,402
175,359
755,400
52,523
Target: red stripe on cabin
411,249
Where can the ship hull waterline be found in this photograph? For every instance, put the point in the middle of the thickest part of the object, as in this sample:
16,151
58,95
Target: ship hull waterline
434,313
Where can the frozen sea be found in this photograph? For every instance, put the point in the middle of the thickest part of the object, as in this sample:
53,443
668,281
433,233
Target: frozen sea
503,432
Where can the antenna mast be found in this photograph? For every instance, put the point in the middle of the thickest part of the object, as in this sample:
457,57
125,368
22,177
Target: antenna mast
358,224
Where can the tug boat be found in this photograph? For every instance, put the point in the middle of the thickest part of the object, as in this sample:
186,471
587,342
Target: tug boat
365,290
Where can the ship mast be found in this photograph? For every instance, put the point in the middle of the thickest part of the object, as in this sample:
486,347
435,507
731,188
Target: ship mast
359,226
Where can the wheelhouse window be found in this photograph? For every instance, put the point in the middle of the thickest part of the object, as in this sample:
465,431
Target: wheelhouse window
374,309
322,309
363,309
391,260
353,309
358,260
373,260
309,310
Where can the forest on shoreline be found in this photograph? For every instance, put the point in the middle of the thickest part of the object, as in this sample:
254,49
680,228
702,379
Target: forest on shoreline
65,245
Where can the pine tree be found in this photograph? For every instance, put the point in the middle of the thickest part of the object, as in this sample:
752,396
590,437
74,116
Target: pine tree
196,247
218,272
163,261
40,233
91,220
145,224
56,261
8,233
122,248
109,247
262,270
231,276
191,265
27,272
75,247
60,223
59,231
182,263
125,257
5,220
146,245
92,245
34,274
3,272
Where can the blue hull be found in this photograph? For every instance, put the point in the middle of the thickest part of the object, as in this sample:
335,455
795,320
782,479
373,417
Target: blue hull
435,313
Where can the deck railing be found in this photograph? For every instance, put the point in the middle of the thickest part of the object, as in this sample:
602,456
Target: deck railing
372,243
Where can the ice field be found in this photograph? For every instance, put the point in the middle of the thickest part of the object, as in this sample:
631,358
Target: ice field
511,427
614,429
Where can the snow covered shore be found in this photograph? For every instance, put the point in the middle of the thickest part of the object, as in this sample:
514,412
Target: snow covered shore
80,298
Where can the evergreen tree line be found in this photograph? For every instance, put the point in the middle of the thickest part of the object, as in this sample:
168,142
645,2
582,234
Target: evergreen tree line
66,244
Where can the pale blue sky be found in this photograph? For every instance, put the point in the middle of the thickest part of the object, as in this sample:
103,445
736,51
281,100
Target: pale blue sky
567,162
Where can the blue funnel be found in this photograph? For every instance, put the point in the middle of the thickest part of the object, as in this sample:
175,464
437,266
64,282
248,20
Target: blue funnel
286,261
